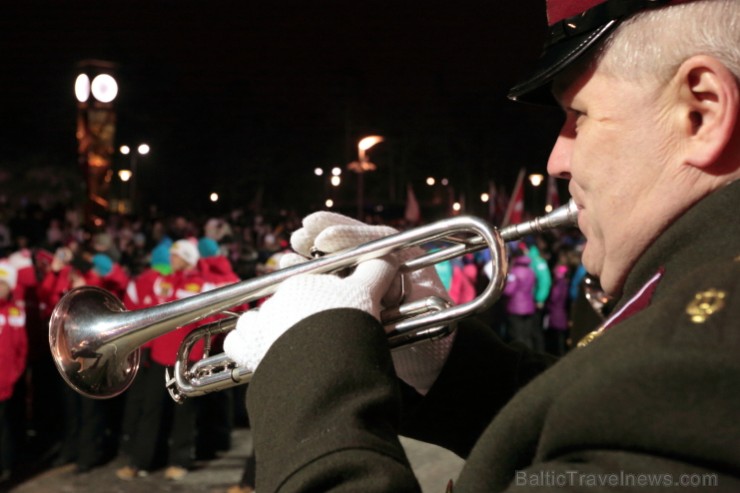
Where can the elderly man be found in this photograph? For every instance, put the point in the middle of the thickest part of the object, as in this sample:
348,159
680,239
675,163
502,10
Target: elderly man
651,146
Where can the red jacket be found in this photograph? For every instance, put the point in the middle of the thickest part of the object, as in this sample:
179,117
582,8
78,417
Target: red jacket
27,283
462,286
116,281
144,291
56,284
13,346
177,286
53,286
217,270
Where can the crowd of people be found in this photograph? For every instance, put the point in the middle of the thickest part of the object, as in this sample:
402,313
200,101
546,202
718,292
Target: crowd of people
148,262
45,253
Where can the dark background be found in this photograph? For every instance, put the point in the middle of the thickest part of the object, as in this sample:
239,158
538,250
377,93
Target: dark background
246,98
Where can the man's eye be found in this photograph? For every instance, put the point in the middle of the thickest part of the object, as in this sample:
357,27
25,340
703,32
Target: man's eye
577,117
575,113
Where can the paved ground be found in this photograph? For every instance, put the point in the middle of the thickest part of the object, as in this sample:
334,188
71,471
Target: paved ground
433,466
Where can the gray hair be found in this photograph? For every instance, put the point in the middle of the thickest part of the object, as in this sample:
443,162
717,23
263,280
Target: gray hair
652,44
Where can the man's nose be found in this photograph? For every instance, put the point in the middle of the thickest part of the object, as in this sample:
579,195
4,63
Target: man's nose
558,165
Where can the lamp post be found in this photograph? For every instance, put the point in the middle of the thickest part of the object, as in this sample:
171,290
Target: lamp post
96,89
536,180
141,150
335,179
363,165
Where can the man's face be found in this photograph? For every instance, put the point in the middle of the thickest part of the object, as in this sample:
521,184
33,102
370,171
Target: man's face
615,147
4,290
178,263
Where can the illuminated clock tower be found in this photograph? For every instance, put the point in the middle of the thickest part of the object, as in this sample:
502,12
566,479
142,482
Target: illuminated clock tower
96,89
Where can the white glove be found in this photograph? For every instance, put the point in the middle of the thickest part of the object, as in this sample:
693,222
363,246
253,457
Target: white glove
329,232
301,296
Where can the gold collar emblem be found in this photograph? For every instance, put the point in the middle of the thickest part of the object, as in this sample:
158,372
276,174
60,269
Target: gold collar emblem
705,304
588,338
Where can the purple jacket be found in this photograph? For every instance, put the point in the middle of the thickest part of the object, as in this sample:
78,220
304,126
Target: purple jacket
519,287
557,304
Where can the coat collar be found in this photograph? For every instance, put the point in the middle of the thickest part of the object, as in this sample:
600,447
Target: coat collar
707,231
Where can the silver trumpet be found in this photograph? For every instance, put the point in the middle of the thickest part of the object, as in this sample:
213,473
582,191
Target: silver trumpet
95,341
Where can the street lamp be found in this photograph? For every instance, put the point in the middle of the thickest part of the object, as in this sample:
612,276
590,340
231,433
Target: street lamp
332,181
363,165
536,179
141,150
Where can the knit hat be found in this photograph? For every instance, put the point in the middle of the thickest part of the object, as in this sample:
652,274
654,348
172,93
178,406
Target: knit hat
187,250
102,264
8,274
207,247
160,258
21,259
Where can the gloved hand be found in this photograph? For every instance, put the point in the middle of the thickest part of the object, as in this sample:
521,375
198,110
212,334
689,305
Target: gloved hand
329,232
302,296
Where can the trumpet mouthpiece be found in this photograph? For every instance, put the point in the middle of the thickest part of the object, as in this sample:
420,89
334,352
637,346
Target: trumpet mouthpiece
564,216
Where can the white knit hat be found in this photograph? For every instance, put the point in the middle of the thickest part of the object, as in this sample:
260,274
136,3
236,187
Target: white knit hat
21,259
187,250
8,274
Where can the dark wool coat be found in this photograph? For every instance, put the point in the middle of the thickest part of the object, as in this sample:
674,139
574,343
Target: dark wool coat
656,397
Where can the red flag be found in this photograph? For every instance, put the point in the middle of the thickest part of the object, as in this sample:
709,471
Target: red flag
515,209
413,212
553,198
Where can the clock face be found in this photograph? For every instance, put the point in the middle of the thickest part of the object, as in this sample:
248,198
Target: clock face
104,88
82,88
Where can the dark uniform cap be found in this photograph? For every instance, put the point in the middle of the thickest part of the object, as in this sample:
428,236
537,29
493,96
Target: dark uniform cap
574,27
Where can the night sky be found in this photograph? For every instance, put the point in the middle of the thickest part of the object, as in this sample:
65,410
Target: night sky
238,96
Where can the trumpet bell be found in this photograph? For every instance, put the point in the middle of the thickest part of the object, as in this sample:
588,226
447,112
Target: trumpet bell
78,324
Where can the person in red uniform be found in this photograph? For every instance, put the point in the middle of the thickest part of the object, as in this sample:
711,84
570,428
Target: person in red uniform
65,272
108,275
36,395
88,431
22,261
143,291
159,409
13,348
215,410
213,265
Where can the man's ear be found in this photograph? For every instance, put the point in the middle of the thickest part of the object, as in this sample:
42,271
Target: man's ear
711,99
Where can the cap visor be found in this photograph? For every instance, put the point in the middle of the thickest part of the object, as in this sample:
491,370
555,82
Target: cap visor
553,60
